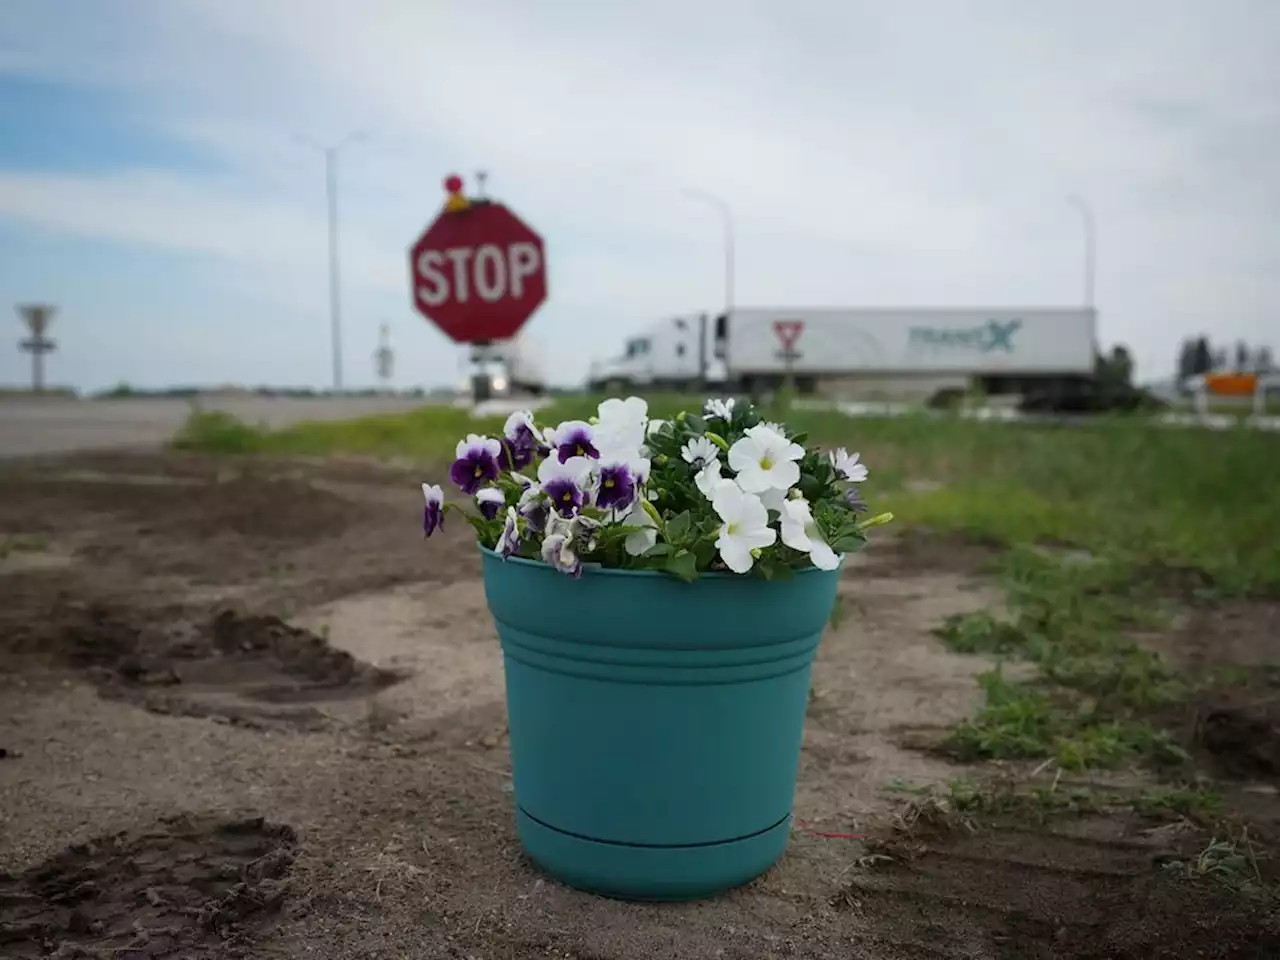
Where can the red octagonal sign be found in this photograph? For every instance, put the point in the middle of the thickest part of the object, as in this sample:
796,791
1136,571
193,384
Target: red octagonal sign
478,274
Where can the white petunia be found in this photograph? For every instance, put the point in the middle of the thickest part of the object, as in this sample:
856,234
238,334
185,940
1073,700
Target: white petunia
764,460
699,451
799,532
773,499
745,526
847,465
719,408
641,541
708,478
621,424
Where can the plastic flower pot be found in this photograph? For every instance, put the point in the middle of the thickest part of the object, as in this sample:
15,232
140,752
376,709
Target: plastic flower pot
655,724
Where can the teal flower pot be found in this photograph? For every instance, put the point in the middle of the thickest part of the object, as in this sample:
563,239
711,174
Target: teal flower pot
655,724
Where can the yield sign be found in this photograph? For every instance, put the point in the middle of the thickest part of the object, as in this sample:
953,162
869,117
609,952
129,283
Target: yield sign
788,332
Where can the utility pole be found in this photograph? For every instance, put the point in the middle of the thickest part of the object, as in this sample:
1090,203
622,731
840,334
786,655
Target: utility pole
384,357
37,317
330,153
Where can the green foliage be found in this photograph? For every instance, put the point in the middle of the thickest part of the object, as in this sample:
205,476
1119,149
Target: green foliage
216,432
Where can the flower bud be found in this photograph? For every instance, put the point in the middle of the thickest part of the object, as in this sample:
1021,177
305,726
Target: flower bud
718,440
877,521
757,552
795,494
660,460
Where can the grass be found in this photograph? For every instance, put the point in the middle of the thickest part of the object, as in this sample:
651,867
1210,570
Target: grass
1140,495
1094,690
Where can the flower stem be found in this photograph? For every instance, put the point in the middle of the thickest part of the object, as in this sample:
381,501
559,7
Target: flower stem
652,511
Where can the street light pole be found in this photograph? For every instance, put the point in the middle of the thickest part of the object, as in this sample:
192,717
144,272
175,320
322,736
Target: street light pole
1090,247
726,219
335,289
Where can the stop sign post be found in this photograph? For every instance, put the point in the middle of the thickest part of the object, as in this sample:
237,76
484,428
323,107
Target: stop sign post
479,271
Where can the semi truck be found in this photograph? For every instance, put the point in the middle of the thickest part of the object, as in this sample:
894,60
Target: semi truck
755,349
506,368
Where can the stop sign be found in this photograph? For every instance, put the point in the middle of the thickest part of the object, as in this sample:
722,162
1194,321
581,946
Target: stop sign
478,274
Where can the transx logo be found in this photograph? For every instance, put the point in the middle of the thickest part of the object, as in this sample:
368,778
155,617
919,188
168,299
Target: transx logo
993,335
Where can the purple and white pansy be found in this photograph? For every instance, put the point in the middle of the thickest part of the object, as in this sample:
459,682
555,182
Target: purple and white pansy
476,463
726,490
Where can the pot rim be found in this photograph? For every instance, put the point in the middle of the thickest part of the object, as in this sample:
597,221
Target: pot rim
598,570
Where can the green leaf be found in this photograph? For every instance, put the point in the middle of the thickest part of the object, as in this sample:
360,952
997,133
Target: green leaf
849,544
800,438
696,424
678,527
683,566
771,569
658,550
704,551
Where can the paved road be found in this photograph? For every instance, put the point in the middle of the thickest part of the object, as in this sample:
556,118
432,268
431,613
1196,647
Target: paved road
29,427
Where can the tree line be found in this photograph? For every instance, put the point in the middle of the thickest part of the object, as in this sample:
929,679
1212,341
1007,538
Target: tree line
1197,355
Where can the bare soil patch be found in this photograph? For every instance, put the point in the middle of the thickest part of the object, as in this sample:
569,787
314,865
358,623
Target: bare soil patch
186,887
1114,887
241,668
363,680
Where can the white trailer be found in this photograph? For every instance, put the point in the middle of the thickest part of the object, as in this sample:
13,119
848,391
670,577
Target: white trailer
972,342
757,347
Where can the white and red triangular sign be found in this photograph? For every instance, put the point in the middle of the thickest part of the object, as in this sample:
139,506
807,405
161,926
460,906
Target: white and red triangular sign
788,332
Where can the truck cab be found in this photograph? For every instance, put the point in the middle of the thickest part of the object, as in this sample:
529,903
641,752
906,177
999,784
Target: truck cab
667,355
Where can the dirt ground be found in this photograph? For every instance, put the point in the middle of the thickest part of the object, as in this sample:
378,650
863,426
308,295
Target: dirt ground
246,711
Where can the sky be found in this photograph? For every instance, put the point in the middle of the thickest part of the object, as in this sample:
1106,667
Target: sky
154,186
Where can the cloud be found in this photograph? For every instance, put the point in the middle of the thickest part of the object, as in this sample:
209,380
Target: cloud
915,153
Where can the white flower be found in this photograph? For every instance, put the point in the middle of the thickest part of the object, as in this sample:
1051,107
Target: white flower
777,428
773,499
621,424
745,526
764,459
719,408
650,429
799,532
708,478
847,465
641,541
699,451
